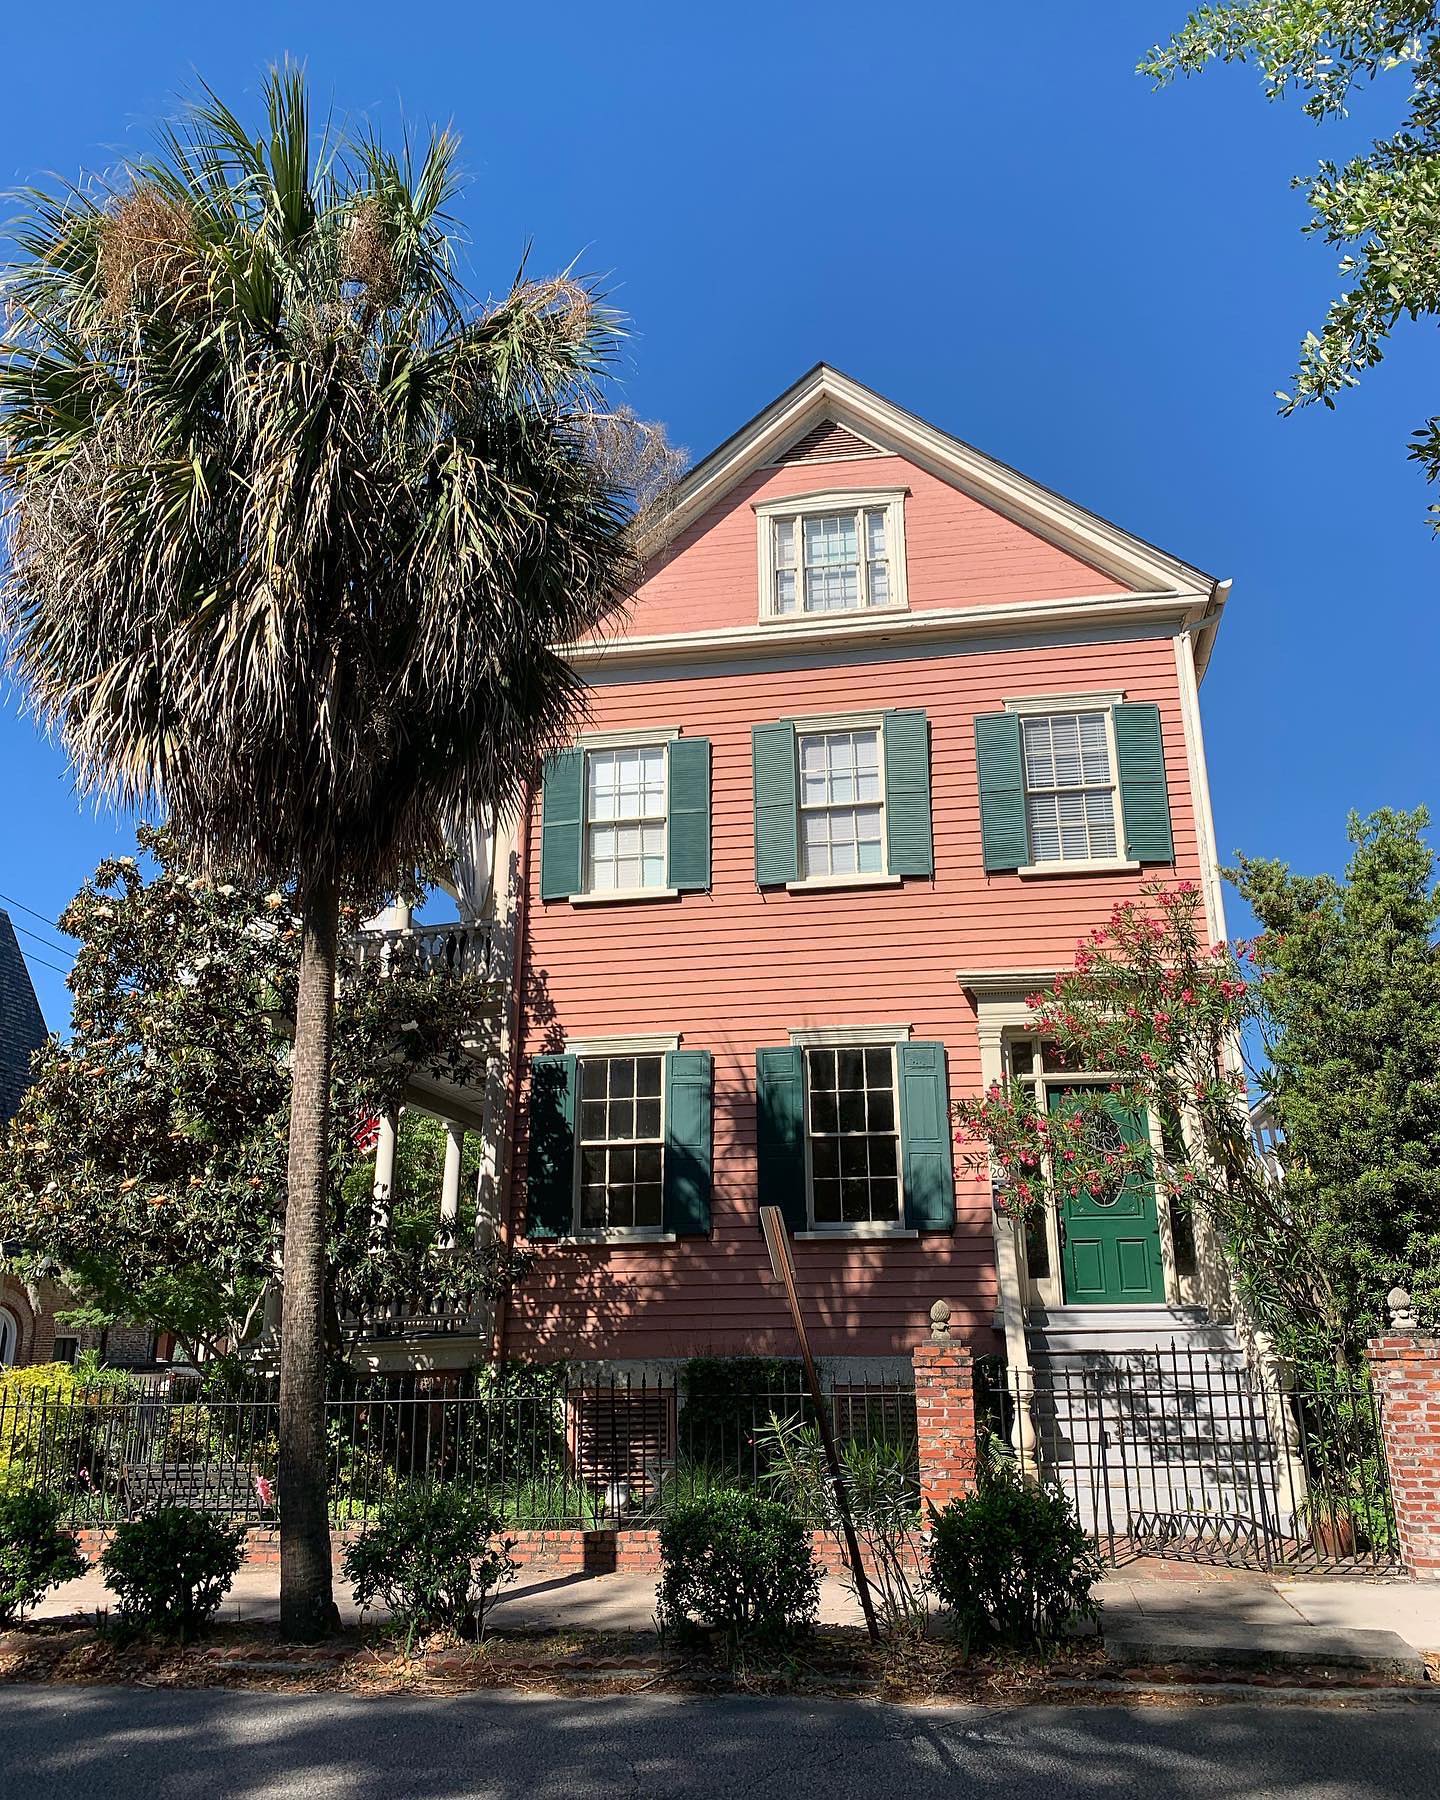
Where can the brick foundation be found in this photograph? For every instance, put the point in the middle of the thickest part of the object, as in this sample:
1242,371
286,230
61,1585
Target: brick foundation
945,1422
1407,1378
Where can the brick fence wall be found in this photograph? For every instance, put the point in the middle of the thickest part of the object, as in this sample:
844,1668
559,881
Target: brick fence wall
1407,1379
945,1422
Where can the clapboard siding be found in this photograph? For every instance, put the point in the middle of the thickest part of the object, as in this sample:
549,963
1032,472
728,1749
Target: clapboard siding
960,552
735,969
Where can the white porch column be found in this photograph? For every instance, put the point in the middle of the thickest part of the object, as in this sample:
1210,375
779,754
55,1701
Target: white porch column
450,1184
380,1194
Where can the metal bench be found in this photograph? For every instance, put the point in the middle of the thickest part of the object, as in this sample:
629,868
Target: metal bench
213,1487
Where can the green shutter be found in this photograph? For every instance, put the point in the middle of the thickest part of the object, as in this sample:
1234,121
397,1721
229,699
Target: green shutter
780,1132
689,1111
550,1170
1144,796
561,819
688,805
777,827
929,1161
907,793
1004,838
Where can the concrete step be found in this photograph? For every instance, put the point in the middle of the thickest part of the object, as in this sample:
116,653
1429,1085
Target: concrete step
1117,1333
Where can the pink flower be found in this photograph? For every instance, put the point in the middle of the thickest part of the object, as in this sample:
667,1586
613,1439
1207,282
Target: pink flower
1187,996
264,1491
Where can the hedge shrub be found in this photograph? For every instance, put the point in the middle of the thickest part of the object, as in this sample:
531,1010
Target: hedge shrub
434,1555
735,1562
1012,1563
172,1567
35,1553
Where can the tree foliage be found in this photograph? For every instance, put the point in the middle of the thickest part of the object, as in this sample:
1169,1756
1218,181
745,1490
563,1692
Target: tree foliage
147,1162
1381,206
1351,981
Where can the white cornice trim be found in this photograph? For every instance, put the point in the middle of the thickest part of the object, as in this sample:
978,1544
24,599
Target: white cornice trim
825,392
988,985
640,737
830,631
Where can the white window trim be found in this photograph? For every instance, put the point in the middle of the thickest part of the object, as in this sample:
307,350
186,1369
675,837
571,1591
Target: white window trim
661,736
1061,703
650,1043
814,724
841,1037
617,1234
833,500
1044,706
826,1038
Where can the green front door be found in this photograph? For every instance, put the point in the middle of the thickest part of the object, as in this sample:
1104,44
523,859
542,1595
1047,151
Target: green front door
1110,1243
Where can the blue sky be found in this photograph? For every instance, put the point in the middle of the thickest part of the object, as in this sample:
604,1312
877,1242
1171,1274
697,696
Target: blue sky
1006,231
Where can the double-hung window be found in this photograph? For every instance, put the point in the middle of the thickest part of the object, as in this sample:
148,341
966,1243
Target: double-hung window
625,819
1069,786
831,553
853,1133
842,803
622,1143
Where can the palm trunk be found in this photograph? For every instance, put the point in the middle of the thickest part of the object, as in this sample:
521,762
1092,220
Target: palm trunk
307,1609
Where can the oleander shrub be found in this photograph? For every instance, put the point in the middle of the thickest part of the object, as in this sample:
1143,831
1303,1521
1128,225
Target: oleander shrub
172,1567
734,1562
434,1555
36,1554
1012,1564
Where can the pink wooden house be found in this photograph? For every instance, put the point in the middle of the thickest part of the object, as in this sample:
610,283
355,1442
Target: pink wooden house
886,729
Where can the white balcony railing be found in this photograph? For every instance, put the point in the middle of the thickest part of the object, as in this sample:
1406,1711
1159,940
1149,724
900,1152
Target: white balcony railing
459,950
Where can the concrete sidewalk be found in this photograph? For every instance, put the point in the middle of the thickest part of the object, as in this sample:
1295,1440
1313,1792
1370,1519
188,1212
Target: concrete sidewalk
1289,1619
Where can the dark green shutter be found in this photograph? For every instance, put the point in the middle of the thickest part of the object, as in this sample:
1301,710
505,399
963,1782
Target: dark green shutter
780,1132
929,1161
560,827
777,828
907,793
550,1170
688,804
689,1110
1144,796
1004,839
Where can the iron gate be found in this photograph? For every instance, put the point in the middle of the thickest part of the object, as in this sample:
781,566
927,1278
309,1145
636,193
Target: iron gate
1194,1457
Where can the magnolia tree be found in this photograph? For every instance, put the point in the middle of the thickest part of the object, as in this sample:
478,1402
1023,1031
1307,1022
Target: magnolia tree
1155,1006
147,1164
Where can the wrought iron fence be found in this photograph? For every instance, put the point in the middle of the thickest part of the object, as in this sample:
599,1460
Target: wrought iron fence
548,1447
1196,1457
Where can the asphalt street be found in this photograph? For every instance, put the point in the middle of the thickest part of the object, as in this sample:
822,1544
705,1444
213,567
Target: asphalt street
112,1743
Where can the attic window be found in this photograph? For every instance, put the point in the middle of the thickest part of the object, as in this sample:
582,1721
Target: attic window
832,553
828,442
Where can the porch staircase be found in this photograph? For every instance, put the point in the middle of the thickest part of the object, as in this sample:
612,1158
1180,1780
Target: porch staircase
1151,1420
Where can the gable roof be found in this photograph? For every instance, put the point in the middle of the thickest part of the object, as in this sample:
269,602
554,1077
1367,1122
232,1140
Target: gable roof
22,1024
824,396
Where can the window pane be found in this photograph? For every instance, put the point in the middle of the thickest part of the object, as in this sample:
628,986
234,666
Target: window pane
647,1075
592,1079
1022,1057
854,1145
827,1202
622,1164
622,1075
592,1209
621,1123
647,1119
648,1207
647,1163
592,1119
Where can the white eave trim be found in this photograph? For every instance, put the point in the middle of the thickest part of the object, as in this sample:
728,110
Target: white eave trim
646,1044
989,985
832,630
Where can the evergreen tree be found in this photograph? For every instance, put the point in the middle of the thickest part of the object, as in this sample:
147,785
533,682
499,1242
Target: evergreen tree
1350,979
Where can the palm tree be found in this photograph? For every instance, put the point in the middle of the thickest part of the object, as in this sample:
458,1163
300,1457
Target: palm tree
293,529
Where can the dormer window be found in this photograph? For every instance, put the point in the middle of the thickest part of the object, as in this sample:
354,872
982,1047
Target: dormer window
832,553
